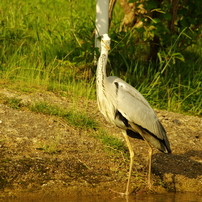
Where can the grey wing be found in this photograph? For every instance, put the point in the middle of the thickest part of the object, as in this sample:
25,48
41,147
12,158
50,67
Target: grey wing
135,108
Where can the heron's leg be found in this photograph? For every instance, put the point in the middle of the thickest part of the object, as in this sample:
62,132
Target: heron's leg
131,161
150,162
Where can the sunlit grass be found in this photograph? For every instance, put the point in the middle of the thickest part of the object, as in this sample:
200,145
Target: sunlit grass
51,146
79,119
14,103
49,45
111,143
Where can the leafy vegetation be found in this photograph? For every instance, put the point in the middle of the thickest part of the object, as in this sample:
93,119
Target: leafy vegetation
160,22
50,45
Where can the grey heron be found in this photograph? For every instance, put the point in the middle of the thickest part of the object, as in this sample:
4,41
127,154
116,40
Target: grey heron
125,107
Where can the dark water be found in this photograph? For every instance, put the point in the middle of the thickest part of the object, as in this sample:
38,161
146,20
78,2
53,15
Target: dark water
110,198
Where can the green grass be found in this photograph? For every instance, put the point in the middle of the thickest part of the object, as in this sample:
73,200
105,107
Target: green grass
111,143
49,45
74,116
15,103
46,108
51,146
38,39
79,119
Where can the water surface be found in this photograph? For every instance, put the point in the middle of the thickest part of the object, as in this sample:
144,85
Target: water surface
133,198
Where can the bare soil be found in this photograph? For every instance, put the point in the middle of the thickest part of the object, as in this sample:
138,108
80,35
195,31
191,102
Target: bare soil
43,154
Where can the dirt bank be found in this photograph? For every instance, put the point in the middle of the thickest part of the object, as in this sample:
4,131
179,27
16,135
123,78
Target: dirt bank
45,154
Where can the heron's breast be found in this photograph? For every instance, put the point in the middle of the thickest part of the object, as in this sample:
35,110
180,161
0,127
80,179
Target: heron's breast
107,109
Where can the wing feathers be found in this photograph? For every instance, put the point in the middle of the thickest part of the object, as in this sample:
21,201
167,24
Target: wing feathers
135,108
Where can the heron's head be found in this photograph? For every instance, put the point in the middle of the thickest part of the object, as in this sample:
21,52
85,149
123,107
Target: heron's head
105,42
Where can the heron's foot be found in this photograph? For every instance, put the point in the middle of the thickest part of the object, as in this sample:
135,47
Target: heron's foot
148,188
149,185
151,189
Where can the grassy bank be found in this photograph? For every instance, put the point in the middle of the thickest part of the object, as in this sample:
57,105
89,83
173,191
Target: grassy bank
49,45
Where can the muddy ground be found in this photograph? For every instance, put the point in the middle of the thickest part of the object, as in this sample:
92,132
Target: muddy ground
45,154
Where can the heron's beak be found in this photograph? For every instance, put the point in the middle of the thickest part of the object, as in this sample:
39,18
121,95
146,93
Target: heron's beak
108,47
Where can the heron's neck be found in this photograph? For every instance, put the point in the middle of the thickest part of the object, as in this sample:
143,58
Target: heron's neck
101,67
